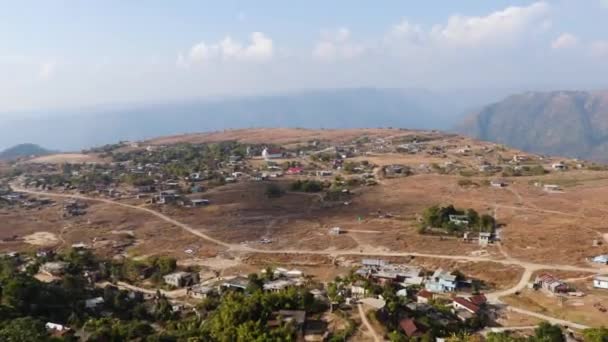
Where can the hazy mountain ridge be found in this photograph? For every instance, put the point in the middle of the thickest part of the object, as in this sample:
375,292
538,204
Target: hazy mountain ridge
332,108
23,150
569,123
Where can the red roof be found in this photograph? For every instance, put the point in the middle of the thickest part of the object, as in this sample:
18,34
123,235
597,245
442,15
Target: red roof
410,328
425,294
466,304
478,300
295,170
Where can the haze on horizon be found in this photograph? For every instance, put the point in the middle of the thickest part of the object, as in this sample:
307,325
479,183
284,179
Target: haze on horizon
73,54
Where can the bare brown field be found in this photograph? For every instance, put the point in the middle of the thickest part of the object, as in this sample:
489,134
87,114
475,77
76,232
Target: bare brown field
282,136
583,310
16,225
69,158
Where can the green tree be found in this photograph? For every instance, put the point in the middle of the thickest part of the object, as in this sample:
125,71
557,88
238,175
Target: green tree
23,329
333,293
546,332
595,335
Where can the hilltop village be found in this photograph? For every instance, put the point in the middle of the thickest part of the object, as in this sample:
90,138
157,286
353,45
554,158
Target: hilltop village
378,234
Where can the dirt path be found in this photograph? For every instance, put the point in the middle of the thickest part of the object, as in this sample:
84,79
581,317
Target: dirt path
369,327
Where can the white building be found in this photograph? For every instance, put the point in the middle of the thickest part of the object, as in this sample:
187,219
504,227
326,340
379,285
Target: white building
271,154
601,259
600,282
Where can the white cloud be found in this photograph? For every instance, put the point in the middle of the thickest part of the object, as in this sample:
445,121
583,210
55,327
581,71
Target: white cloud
497,28
259,49
564,41
336,45
47,69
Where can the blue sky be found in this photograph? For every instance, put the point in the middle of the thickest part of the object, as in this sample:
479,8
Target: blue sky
68,54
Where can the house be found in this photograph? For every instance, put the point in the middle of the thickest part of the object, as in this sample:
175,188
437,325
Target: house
558,166
423,296
272,153
461,220
600,282
461,303
45,253
601,259
294,170
238,283
57,330
550,283
358,290
93,303
518,158
199,291
199,202
297,318
54,268
181,279
334,231
375,303
441,281
411,328
166,197
373,262
324,173
278,285
498,183
485,238
551,187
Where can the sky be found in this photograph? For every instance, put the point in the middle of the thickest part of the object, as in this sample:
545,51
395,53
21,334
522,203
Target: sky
74,54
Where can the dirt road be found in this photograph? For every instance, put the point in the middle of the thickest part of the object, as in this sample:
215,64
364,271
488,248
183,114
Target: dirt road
369,327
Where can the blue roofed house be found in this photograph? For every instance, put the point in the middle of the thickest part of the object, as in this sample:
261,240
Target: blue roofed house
441,281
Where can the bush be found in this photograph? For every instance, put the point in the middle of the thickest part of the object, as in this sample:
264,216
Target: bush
273,191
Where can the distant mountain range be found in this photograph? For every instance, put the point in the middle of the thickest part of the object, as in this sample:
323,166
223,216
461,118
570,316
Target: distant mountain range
23,150
333,108
567,123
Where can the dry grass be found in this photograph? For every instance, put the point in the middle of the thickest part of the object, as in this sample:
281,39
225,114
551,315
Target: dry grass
69,158
580,310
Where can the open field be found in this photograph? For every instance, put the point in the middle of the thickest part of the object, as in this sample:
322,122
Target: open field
70,158
282,136
583,310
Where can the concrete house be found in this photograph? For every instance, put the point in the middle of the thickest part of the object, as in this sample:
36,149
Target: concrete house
441,281
55,268
485,238
357,289
600,282
272,153
461,220
181,279
550,283
93,303
199,291
498,183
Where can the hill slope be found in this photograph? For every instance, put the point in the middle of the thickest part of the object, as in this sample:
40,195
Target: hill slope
23,150
568,123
